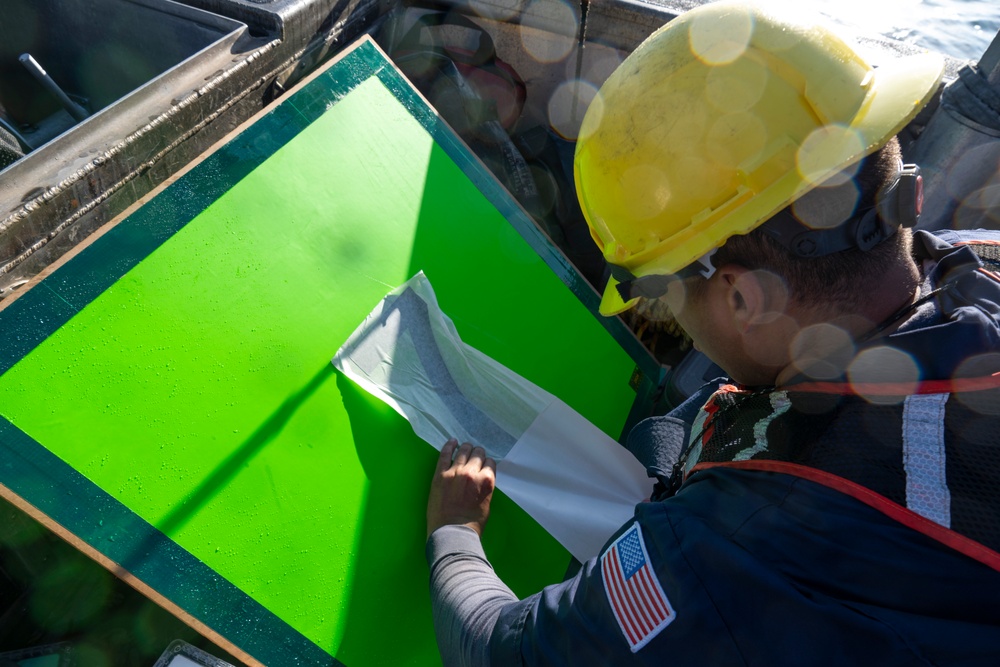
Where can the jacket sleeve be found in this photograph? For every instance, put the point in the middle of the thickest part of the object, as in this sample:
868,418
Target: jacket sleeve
480,622
599,618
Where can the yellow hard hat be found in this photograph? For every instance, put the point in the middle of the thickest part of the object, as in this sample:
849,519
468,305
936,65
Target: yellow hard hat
719,120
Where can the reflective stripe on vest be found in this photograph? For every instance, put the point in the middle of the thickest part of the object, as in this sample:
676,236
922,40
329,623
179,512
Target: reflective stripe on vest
927,491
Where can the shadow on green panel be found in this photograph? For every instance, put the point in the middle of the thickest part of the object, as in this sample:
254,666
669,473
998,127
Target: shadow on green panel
231,466
388,615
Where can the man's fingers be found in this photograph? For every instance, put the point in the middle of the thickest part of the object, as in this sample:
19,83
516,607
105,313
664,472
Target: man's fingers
454,456
480,460
447,453
462,455
462,487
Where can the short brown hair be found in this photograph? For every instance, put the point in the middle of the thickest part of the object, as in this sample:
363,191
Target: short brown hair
842,279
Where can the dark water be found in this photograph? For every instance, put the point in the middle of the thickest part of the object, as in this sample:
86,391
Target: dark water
959,28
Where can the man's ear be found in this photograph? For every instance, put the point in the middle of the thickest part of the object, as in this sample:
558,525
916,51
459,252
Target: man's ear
754,297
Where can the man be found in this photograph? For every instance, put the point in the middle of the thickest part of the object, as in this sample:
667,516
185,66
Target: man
839,504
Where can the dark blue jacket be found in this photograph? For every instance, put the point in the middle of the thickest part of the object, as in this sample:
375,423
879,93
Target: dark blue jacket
768,569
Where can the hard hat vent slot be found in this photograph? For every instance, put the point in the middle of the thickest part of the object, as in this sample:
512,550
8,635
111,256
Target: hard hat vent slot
776,160
711,215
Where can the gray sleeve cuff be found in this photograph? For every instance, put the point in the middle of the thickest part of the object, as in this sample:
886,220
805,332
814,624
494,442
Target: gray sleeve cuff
450,540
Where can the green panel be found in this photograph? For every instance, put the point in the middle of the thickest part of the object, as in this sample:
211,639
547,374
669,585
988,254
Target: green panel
193,390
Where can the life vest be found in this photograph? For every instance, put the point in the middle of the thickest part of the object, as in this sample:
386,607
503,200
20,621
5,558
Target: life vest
929,460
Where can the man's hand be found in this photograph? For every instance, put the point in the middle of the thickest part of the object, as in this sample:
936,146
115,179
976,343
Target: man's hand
462,488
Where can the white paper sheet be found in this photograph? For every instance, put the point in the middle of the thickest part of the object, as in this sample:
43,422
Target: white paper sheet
575,481
579,484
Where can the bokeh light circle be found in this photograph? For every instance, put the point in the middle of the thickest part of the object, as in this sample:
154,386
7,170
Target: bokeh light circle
822,352
645,191
721,39
550,46
883,375
982,402
567,105
827,148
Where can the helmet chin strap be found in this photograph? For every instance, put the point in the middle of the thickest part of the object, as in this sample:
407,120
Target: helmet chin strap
897,205
655,285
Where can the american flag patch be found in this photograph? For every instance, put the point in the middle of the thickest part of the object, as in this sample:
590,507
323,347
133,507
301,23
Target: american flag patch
635,594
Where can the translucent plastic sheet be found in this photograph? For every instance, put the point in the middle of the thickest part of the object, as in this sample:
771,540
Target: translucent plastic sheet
579,484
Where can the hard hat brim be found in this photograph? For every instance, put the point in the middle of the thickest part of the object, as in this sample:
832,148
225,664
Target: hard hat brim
612,302
901,88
